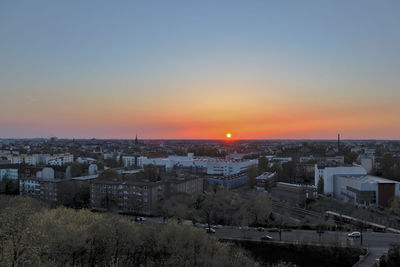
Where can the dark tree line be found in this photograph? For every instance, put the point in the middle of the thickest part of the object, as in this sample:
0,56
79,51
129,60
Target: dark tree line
219,206
31,235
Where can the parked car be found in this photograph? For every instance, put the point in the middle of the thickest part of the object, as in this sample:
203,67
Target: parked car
140,219
354,234
266,237
261,229
210,230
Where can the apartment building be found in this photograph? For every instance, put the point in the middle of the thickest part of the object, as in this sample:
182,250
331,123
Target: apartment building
126,196
139,196
50,191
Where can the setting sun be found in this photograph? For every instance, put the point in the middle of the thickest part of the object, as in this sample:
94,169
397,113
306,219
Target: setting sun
228,135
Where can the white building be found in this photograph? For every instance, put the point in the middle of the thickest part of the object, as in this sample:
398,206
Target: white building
16,159
46,173
9,173
354,185
59,159
366,189
83,160
129,161
367,162
30,160
93,169
211,165
328,173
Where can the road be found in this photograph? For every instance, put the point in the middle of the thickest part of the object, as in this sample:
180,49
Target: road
370,239
376,243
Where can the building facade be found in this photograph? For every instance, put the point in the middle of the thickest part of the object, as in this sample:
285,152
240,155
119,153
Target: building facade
228,182
126,196
327,175
11,174
352,184
294,193
50,191
211,166
366,189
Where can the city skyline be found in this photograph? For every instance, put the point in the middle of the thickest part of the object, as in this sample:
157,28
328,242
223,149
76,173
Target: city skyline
178,70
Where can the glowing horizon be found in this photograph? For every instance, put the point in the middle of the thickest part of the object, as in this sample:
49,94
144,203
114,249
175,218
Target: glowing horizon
179,70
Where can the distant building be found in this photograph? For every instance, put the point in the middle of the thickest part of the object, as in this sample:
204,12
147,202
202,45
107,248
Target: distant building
54,191
366,189
85,160
367,162
46,173
129,161
327,161
30,159
139,196
93,169
235,156
60,159
294,193
266,180
192,186
327,175
126,196
228,182
354,185
44,159
11,174
49,191
212,166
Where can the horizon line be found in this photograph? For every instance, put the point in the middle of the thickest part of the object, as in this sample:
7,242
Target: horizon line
202,139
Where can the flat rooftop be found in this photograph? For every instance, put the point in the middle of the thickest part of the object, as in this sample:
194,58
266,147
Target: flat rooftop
369,179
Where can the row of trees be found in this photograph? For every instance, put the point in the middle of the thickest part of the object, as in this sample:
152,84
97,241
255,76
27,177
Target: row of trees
389,167
219,206
287,172
31,235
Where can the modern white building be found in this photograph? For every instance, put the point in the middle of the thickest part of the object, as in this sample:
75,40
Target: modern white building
366,189
353,184
328,173
211,166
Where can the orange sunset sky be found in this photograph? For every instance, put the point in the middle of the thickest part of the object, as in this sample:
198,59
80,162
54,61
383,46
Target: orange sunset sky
257,69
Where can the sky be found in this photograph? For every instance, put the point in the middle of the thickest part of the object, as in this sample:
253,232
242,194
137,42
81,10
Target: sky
199,69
